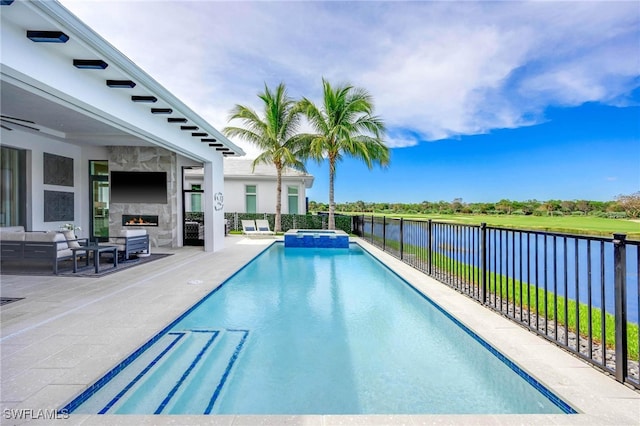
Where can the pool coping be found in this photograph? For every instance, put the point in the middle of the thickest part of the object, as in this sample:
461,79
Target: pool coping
46,364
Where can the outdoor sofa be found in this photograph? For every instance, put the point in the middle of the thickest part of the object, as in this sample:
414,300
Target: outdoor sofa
16,244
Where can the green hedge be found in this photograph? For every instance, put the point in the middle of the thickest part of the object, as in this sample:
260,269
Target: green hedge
194,216
289,221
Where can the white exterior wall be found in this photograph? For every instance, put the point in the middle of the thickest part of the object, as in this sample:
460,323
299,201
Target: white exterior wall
234,192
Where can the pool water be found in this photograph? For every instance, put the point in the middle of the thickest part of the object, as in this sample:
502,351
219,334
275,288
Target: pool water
316,331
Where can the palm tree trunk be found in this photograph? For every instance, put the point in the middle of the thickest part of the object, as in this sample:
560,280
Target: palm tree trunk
278,220
332,204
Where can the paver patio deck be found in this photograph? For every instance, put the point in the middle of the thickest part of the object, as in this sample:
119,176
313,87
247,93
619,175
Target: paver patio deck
67,332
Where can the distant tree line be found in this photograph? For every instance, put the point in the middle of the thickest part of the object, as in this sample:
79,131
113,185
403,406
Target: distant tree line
624,206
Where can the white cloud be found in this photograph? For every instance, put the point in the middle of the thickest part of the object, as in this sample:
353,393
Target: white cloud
436,69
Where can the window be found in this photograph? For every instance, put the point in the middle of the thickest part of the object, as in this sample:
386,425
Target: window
292,192
196,199
196,202
251,198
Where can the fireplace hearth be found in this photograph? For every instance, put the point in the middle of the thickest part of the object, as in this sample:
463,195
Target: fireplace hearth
139,220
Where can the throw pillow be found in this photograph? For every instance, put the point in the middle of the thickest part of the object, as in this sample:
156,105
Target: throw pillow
70,236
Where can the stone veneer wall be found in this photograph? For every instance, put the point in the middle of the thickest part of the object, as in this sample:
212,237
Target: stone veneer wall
151,159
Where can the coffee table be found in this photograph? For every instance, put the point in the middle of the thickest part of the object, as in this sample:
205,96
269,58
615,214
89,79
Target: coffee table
95,250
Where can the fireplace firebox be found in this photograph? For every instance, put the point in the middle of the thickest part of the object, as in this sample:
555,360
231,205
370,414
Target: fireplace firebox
139,220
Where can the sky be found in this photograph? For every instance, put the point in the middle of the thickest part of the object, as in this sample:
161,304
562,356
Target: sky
482,100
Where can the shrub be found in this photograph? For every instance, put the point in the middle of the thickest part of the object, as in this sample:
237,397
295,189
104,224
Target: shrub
616,215
194,216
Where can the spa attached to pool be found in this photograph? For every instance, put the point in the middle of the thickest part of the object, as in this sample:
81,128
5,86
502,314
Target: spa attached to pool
316,238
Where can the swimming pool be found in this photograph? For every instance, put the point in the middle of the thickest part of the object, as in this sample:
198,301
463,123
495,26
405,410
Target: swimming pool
316,331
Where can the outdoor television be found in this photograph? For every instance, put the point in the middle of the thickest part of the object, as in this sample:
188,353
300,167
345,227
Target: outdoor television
138,187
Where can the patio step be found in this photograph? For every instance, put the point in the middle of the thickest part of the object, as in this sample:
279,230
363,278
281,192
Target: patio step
182,372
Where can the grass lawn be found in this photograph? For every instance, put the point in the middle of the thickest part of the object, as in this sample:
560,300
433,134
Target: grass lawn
568,224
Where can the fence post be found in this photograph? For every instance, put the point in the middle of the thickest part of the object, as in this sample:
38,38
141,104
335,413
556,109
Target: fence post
620,274
483,262
371,229
429,244
384,233
401,238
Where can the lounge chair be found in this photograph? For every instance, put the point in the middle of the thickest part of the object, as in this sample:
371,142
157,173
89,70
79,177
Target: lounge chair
263,227
249,228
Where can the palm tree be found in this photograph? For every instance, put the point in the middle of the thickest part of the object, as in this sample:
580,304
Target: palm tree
345,126
275,134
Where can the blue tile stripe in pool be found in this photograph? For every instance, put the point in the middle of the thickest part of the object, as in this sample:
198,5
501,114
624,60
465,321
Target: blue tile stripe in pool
195,361
91,390
233,359
178,336
80,399
142,373
566,408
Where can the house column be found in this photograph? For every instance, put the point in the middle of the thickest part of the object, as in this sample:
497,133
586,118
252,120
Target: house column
213,205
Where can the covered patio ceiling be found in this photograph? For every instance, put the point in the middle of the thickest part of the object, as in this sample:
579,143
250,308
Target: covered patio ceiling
28,112
61,79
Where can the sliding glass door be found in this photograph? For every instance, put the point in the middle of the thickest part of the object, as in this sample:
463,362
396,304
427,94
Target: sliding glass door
13,187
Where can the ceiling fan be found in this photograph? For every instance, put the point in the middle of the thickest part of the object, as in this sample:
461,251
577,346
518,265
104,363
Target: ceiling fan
7,121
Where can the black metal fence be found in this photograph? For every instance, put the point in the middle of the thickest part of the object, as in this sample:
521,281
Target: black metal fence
580,292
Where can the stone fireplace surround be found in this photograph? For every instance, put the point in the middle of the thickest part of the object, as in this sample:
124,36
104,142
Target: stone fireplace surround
151,159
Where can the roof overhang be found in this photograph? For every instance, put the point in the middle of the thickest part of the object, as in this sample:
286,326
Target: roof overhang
72,89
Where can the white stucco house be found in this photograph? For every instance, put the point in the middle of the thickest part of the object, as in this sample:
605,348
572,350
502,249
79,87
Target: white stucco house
89,138
248,190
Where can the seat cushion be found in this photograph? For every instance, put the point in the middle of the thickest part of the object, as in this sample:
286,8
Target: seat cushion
4,229
133,232
12,236
47,237
41,237
64,253
71,237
